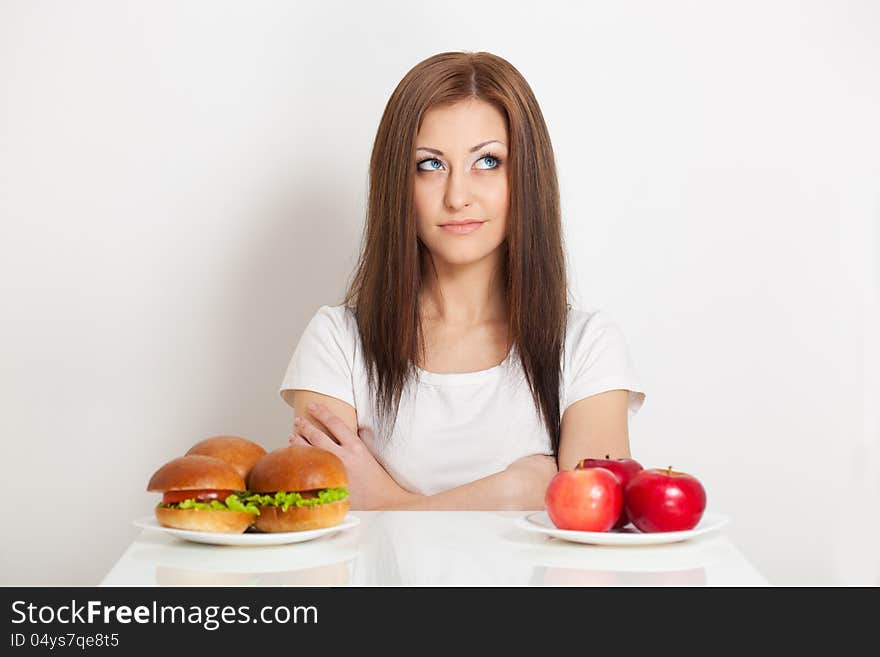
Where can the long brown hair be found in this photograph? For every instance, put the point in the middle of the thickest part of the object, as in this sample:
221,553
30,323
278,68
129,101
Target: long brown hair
384,291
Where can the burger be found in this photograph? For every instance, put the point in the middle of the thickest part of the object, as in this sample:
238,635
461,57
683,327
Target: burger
297,488
240,452
202,493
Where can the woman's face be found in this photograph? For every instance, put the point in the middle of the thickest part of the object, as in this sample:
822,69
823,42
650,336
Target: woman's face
461,173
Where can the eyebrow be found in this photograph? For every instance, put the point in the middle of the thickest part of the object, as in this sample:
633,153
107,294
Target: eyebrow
474,149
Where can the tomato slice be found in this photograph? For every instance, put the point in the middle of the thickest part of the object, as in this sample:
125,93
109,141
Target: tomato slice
175,496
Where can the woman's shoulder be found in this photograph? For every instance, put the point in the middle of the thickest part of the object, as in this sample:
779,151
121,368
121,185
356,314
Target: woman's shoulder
590,328
582,317
336,312
334,320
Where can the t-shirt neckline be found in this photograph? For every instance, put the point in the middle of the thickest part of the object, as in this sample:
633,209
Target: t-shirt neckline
461,378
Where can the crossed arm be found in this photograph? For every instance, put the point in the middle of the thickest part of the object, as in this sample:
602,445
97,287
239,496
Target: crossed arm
591,427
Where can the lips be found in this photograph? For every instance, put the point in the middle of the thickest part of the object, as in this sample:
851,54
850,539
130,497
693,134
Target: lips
462,228
466,220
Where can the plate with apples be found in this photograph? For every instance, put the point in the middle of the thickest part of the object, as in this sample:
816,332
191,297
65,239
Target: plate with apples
618,502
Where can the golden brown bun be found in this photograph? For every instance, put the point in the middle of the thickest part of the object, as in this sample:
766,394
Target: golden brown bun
297,468
196,472
296,519
205,520
241,453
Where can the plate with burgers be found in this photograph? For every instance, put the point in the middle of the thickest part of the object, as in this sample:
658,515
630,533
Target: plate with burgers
290,495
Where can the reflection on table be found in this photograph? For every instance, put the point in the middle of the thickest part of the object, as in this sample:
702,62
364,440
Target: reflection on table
433,548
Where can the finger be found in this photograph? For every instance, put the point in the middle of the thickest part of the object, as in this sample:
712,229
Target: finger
315,436
297,439
340,430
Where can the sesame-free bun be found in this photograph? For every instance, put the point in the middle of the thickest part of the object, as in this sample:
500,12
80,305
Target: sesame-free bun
196,472
240,452
297,468
205,520
296,519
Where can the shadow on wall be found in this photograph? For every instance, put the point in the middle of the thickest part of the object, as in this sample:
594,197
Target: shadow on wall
299,255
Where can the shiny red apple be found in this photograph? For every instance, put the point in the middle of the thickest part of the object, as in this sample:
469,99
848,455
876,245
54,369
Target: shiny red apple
660,500
625,469
587,500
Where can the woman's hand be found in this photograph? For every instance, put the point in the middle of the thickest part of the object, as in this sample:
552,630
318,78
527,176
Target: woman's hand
369,485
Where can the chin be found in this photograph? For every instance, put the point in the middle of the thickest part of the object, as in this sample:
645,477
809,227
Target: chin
463,256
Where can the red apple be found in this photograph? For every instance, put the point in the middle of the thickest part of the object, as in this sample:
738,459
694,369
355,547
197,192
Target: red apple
584,500
625,469
664,500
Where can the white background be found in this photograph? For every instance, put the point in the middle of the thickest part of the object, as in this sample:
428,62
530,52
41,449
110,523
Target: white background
182,185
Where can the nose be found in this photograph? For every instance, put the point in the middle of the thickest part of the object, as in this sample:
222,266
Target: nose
458,193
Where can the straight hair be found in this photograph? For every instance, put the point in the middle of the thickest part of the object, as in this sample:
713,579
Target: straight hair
384,290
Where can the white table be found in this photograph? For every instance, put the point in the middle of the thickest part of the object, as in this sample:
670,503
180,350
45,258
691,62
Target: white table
433,548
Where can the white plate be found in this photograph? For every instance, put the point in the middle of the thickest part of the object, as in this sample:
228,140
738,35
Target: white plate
540,523
247,538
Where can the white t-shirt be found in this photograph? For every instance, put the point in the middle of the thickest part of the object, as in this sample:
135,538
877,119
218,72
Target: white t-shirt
453,429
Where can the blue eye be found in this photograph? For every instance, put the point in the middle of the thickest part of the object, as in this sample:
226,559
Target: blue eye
430,161
493,159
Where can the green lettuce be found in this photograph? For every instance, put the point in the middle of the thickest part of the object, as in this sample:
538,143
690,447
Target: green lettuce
248,502
286,500
231,503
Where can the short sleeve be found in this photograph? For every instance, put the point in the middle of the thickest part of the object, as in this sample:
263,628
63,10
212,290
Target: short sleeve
597,359
324,356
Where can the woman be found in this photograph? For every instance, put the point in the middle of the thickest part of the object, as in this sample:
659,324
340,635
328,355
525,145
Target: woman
455,375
